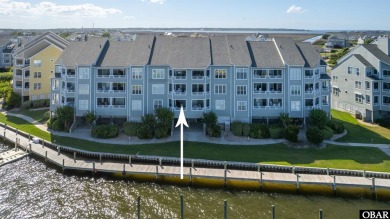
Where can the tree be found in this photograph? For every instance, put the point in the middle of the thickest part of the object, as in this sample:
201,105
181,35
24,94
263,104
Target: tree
210,119
66,115
318,118
325,36
146,130
89,117
314,135
106,34
11,99
164,118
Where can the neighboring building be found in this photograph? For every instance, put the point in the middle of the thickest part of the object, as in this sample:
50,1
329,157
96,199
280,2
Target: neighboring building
6,49
361,81
237,79
338,41
34,66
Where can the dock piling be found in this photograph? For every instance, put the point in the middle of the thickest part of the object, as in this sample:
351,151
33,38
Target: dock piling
334,185
373,188
298,183
74,156
58,149
160,162
63,164
225,178
261,181
139,207
192,163
320,214
130,161
364,173
273,211
293,170
29,137
156,173
225,209
181,207
124,170
45,156
29,148
190,176
327,171
93,168
100,158
43,143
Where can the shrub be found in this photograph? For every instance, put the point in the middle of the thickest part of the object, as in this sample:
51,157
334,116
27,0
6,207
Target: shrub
246,128
327,132
6,77
66,115
38,103
236,128
89,117
291,133
146,129
104,131
276,132
259,131
11,100
337,127
285,119
318,118
214,131
384,122
26,105
131,128
58,125
164,118
314,135
210,119
50,122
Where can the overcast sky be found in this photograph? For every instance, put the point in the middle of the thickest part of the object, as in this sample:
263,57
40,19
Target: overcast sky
296,14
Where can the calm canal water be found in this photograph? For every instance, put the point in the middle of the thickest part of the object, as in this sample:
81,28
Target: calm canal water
30,190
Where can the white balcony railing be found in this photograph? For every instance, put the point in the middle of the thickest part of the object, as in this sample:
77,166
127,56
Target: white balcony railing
197,77
197,108
196,93
119,106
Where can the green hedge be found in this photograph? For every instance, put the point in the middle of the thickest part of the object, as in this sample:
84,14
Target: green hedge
35,104
246,129
276,132
236,128
6,76
214,131
105,131
291,133
327,132
131,128
259,131
314,135
337,127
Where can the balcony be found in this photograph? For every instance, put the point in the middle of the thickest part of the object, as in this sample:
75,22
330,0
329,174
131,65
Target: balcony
57,75
326,89
197,75
118,73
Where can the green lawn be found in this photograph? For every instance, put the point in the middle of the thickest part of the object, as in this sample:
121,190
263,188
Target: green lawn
360,133
35,114
333,156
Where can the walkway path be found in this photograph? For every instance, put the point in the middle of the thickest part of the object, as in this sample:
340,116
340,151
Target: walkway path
195,136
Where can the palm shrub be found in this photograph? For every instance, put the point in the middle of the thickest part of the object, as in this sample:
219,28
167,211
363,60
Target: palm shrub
314,135
285,119
246,128
164,118
210,119
89,117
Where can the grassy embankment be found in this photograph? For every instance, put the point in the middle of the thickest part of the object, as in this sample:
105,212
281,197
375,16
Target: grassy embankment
332,156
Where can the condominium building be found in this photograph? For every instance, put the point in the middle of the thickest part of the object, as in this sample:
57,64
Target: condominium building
34,66
361,81
237,79
6,49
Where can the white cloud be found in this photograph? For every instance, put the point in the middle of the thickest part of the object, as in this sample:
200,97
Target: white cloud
128,17
155,1
9,7
294,10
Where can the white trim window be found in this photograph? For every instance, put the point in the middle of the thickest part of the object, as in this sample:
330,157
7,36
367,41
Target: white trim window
241,89
220,73
37,86
136,105
118,102
83,105
220,89
55,84
55,98
368,99
295,74
37,74
242,105
358,98
295,90
325,100
386,73
241,73
83,88
83,73
136,73
136,89
157,104
158,74
219,104
37,63
358,85
295,105
158,88
103,73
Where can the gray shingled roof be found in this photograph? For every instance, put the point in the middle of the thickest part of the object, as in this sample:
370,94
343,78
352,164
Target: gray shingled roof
82,53
324,76
125,53
310,55
379,54
220,51
265,54
362,60
48,36
5,40
238,50
182,52
289,51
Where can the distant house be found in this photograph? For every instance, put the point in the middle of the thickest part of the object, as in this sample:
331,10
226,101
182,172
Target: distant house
338,41
6,48
361,81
